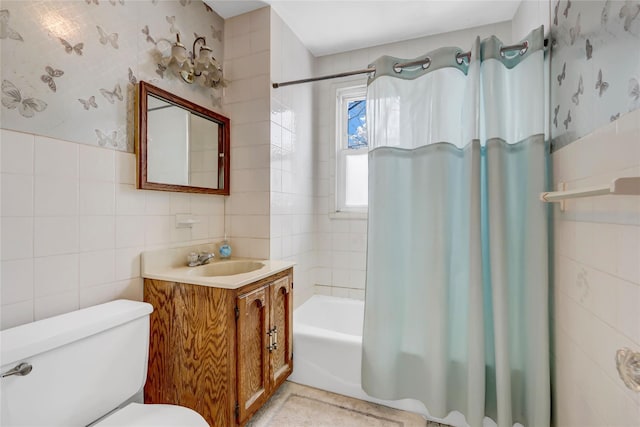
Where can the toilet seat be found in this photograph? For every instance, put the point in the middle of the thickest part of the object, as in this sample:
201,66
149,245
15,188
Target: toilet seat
139,415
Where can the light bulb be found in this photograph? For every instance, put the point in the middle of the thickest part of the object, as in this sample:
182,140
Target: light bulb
179,53
204,56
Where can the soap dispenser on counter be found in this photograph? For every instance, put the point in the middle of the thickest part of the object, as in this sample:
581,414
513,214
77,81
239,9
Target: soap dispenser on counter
225,248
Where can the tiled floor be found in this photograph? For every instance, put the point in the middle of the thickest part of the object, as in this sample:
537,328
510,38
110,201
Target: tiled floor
295,405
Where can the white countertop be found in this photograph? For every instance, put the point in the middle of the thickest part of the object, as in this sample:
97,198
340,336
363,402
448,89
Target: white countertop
170,265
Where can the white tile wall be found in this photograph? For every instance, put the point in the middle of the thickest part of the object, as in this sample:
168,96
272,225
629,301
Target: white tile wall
54,236
292,157
17,195
20,273
246,102
17,152
73,226
55,274
597,279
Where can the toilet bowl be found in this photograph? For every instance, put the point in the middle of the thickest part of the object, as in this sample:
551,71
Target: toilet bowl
139,415
83,368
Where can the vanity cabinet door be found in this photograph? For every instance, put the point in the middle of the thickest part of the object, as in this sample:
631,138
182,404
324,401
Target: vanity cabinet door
253,351
281,311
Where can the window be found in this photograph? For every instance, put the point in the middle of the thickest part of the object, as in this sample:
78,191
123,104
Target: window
351,150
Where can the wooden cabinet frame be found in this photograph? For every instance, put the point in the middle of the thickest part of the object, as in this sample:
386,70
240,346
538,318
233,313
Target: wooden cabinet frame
281,304
253,326
264,344
199,336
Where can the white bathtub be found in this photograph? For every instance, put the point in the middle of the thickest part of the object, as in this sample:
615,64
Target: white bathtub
327,349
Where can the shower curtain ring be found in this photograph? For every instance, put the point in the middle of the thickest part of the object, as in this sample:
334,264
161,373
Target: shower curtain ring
521,48
461,56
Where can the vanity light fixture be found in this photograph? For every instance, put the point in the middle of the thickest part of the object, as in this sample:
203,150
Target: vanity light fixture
202,68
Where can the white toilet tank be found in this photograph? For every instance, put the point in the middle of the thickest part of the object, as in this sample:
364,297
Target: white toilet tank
85,363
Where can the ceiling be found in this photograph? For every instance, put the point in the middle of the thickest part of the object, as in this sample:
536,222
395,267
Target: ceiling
230,8
326,27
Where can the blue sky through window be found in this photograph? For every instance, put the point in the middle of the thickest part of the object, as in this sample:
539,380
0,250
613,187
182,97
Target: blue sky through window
357,124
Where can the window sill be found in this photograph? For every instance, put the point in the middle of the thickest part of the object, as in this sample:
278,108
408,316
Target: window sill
348,215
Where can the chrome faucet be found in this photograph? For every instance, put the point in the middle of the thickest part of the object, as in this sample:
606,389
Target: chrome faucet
195,259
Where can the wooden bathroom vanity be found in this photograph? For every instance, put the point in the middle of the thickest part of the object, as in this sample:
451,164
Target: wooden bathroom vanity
218,350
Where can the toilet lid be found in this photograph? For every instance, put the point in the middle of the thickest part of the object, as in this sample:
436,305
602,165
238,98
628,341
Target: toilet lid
139,415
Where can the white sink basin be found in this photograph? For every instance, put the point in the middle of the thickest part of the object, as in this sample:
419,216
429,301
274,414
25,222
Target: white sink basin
169,265
225,268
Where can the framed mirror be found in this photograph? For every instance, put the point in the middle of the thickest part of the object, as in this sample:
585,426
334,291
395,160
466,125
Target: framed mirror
180,145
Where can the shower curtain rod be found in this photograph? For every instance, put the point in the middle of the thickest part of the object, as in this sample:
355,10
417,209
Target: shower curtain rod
522,47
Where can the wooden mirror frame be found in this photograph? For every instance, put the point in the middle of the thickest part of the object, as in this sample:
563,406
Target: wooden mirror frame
145,89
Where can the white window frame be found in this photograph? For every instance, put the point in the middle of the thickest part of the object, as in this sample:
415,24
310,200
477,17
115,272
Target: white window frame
345,93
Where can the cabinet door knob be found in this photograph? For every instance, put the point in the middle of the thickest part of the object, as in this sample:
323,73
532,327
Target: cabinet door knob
273,339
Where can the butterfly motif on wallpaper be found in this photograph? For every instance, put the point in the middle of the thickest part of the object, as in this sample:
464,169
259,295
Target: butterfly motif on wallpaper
77,48
160,69
171,20
566,9
217,34
563,74
604,16
614,117
96,2
12,99
555,13
629,11
582,283
48,78
589,49
104,139
108,38
185,2
132,78
111,96
113,2
6,32
601,85
634,89
567,120
574,32
145,31
576,96
555,115
88,103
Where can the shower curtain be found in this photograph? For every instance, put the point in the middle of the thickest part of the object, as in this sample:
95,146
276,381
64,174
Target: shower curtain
456,299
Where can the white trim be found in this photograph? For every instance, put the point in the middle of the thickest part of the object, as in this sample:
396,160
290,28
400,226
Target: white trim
345,92
349,215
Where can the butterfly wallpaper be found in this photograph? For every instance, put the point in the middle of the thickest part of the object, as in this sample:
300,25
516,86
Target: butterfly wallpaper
69,68
595,65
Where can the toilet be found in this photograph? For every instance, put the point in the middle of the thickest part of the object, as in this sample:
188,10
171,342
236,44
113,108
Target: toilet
87,368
